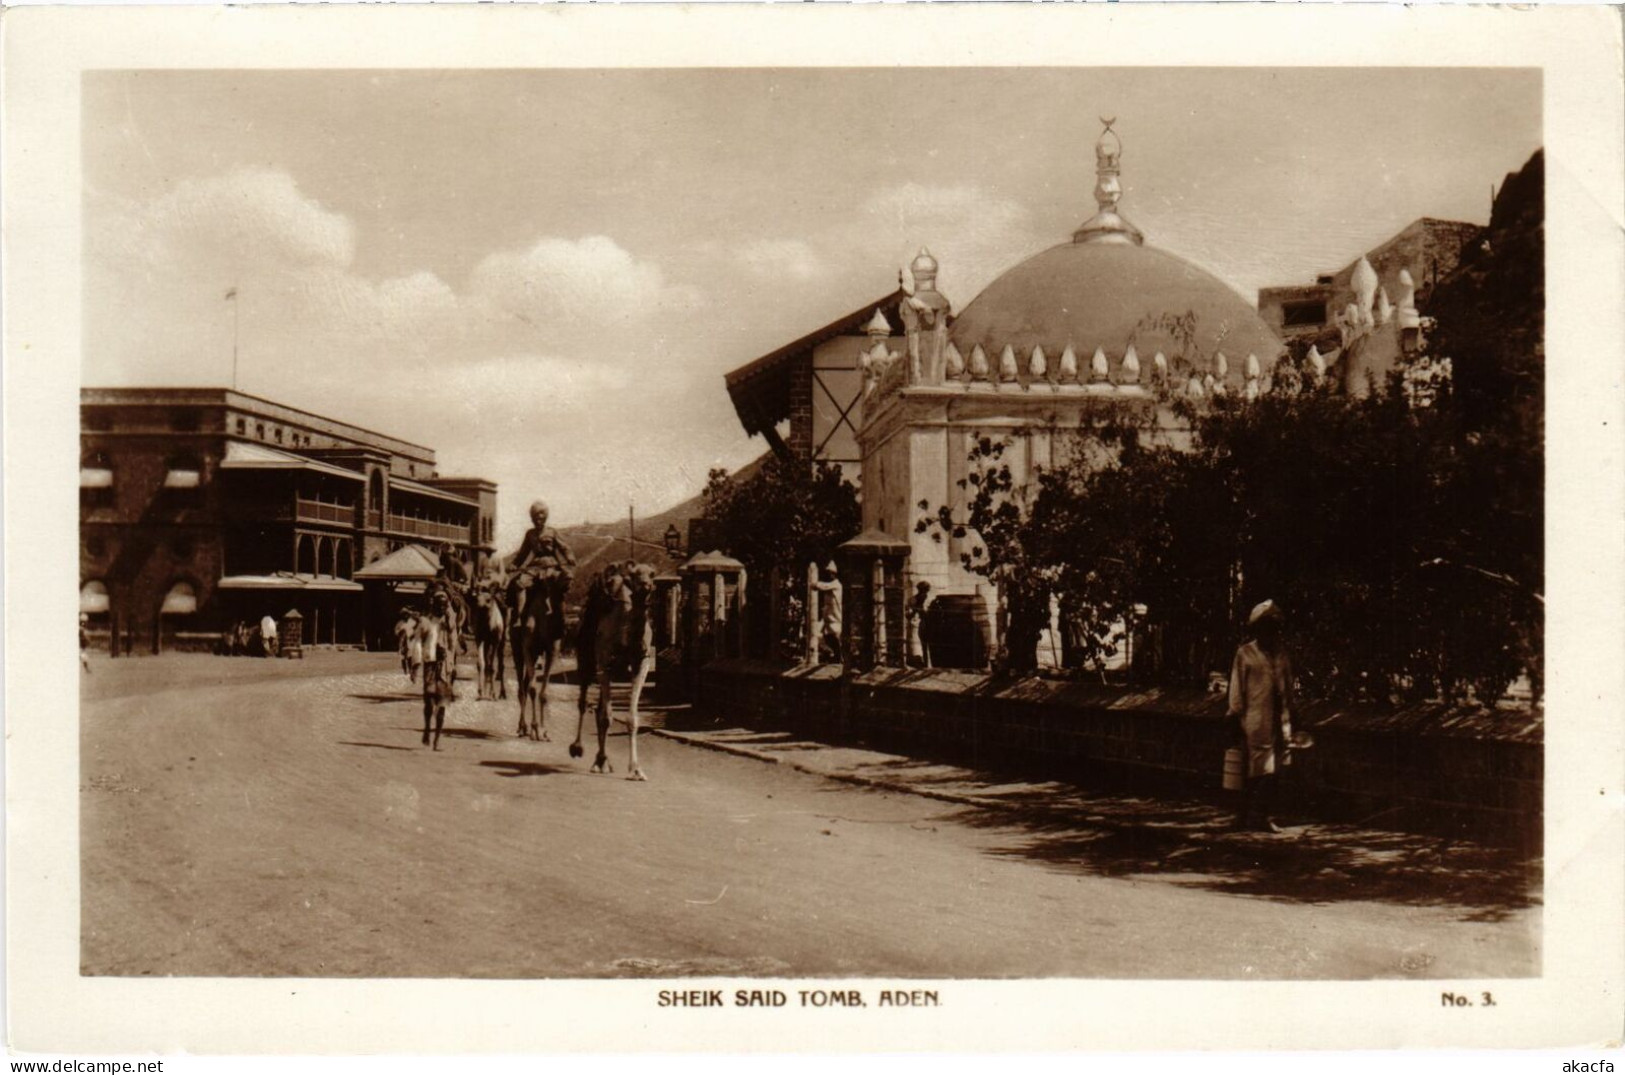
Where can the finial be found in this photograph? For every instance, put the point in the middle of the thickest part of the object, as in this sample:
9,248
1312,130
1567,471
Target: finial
978,363
1007,365
1107,225
1068,372
1316,362
924,269
1364,283
878,326
1130,366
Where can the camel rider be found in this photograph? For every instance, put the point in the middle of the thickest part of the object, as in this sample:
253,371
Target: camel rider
451,566
542,558
451,579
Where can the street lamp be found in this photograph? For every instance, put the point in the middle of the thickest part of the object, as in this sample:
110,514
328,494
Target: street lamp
674,542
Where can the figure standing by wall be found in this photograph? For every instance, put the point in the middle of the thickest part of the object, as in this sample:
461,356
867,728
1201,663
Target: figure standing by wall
828,588
919,642
1261,707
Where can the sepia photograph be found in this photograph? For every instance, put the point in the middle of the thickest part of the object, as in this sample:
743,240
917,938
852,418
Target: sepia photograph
1142,532
804,536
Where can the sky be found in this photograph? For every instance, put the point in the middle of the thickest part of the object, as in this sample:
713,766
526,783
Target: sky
544,275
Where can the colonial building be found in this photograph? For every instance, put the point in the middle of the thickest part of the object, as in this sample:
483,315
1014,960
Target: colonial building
1398,275
1100,323
200,507
813,387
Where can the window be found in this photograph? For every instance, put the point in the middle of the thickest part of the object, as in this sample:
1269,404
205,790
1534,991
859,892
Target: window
279,434
183,481
242,427
259,430
96,481
184,472
1303,313
93,598
181,600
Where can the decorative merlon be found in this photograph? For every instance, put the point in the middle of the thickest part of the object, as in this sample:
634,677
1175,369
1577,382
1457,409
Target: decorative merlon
1069,366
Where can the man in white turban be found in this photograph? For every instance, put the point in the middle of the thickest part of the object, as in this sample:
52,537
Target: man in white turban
543,558
1261,706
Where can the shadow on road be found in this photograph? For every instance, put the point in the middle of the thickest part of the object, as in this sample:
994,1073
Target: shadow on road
375,746
1125,827
1190,843
380,699
528,768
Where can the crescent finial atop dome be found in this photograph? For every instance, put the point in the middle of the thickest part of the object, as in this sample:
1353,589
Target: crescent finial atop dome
1107,225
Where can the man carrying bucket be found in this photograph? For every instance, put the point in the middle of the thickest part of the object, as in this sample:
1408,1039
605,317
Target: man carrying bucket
1261,707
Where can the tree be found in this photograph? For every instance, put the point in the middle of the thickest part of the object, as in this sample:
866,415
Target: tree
779,519
997,524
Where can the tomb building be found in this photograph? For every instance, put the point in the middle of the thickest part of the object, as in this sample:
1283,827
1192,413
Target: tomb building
1101,321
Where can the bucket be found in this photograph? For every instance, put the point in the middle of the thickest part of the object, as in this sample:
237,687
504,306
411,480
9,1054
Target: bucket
957,631
1235,769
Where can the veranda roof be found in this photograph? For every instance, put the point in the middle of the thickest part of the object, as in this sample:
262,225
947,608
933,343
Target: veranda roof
243,455
409,563
286,580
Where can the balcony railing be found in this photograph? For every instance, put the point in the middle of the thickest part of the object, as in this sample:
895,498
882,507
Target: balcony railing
375,519
406,524
316,511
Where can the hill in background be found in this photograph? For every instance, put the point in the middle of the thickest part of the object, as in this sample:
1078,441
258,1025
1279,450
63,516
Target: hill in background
598,544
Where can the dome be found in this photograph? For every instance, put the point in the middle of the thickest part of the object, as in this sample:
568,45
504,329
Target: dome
1106,290
1109,295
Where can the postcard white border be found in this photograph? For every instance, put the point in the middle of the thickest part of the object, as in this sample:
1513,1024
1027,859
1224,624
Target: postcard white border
1577,1000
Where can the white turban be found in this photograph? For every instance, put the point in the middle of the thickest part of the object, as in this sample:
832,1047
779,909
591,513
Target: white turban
1264,610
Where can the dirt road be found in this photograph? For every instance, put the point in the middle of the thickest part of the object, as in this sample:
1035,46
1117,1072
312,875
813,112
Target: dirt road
244,817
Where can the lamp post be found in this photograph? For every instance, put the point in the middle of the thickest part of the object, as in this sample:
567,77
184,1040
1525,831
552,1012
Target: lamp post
674,542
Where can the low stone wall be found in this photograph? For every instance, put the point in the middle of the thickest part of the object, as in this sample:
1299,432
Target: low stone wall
1436,767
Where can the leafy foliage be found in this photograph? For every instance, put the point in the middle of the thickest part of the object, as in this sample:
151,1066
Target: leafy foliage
783,517
1401,531
996,532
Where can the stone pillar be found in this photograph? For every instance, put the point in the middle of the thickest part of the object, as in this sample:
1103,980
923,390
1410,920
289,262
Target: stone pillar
712,601
667,600
873,577
291,634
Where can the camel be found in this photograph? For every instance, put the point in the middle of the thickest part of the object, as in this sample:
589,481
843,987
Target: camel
535,633
617,628
436,633
490,638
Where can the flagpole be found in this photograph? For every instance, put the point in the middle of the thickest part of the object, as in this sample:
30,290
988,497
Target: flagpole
236,321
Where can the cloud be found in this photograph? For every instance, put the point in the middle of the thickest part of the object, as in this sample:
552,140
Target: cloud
249,212
590,281
780,259
562,366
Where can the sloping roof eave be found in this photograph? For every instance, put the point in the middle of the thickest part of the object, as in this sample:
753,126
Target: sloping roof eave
760,389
